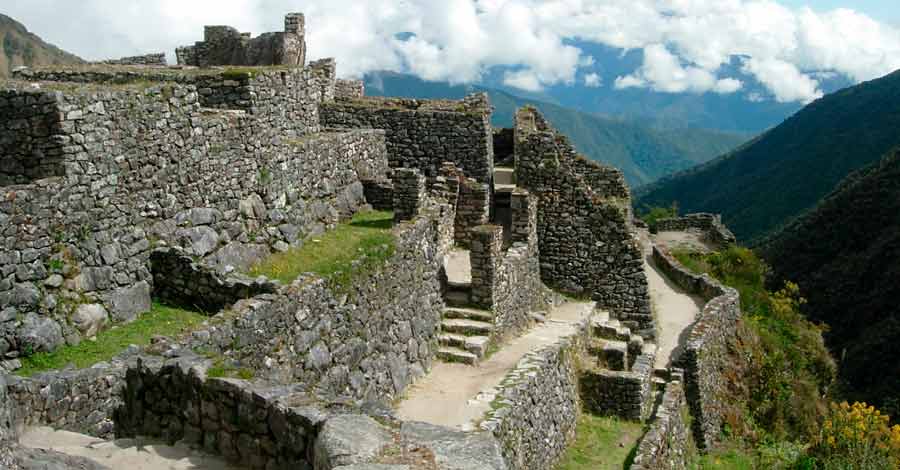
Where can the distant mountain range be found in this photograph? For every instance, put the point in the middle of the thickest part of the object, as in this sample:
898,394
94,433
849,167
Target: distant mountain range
21,47
845,255
643,152
778,176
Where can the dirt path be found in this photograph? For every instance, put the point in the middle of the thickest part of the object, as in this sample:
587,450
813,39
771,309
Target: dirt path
457,395
675,309
129,454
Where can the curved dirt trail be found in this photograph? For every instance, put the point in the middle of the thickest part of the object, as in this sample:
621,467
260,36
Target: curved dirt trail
675,309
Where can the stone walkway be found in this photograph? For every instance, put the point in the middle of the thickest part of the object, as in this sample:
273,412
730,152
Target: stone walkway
128,454
458,395
675,309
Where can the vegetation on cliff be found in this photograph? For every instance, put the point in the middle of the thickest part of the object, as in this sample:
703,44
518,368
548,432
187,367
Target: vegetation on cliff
845,255
775,178
21,47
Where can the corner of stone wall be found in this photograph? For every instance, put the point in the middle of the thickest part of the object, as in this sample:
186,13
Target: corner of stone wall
485,255
666,445
409,193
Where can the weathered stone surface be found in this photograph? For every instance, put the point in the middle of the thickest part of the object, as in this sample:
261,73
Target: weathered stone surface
456,450
350,439
90,319
40,333
126,303
239,256
198,241
373,466
224,45
40,459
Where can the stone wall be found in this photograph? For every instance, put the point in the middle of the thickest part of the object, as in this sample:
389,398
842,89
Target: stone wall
82,401
423,134
224,45
508,281
538,405
253,424
27,149
145,165
369,341
666,444
587,243
349,89
714,231
626,394
705,358
158,58
7,427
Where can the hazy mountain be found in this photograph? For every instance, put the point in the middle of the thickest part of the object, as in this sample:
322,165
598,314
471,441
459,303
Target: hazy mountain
845,255
643,152
786,171
21,47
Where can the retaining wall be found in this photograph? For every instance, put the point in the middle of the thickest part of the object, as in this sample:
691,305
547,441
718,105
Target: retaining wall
714,231
626,394
587,243
538,404
423,134
666,444
7,427
705,357
369,341
144,166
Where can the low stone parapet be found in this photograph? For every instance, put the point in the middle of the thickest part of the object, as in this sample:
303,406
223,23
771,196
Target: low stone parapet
666,444
714,231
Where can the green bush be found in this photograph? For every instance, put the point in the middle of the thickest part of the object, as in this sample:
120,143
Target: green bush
652,215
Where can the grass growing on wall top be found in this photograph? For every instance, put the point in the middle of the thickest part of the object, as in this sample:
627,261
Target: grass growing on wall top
336,254
602,443
160,320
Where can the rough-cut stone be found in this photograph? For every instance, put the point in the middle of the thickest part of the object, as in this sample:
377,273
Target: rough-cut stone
126,303
456,450
198,241
350,439
239,256
40,333
90,319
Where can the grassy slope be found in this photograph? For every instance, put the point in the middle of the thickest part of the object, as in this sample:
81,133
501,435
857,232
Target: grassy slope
332,254
21,47
845,255
602,443
786,171
161,320
642,152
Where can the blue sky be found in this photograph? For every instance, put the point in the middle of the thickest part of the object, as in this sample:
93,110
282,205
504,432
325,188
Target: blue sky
884,10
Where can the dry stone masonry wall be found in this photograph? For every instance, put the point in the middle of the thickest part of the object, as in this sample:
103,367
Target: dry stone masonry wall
667,443
423,134
705,354
587,242
139,165
710,225
158,58
224,45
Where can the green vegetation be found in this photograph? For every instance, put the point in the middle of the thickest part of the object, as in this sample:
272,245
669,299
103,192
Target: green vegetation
726,459
340,255
160,321
845,255
651,215
642,152
602,443
772,180
21,47
224,369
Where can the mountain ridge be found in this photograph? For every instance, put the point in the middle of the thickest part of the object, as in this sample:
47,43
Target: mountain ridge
22,47
776,177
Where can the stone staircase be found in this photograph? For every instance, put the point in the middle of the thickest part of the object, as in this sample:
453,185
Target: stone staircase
614,346
465,331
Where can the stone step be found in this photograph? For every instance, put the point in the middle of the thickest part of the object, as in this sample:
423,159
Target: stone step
476,345
504,175
455,298
611,354
466,327
469,314
611,329
451,354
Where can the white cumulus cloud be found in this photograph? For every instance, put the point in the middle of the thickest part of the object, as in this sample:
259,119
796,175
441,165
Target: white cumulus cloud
593,80
686,44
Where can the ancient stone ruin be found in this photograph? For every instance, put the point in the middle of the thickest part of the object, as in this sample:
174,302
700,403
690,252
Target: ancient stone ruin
125,183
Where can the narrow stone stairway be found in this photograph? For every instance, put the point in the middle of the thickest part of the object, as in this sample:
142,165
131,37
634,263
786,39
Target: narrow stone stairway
465,331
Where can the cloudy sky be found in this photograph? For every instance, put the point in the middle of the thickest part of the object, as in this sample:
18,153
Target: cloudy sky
687,45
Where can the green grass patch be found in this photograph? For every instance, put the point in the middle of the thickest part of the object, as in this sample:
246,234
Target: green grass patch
160,320
339,255
602,443
729,459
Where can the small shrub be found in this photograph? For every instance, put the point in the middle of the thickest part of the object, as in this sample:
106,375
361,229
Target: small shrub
857,436
652,215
